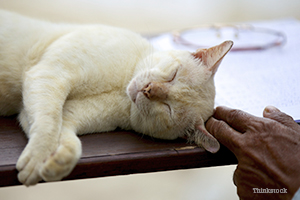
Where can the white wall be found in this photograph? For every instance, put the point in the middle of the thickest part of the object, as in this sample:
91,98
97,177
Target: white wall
150,16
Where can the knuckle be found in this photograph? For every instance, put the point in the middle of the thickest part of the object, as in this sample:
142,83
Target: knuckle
262,127
221,125
235,113
215,126
282,117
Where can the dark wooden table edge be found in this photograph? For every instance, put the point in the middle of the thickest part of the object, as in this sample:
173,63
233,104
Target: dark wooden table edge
141,162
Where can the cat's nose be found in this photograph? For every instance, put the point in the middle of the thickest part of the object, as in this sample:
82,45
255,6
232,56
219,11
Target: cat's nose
155,91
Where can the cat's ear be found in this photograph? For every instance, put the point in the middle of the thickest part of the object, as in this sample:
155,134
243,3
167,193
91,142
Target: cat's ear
203,138
213,56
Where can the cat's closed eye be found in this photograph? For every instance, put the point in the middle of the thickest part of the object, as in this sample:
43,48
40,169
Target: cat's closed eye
173,76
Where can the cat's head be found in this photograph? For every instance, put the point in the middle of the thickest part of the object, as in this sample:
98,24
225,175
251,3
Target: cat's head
173,94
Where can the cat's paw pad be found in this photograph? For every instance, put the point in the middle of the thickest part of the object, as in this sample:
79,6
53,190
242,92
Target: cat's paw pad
60,163
28,166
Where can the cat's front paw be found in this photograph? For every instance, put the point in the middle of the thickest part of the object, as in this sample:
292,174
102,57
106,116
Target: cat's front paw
60,163
29,165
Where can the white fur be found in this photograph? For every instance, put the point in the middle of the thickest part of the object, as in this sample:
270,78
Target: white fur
66,80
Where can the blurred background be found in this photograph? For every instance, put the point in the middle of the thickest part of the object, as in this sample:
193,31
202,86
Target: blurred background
154,16
147,17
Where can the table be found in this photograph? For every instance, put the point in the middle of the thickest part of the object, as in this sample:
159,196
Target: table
113,153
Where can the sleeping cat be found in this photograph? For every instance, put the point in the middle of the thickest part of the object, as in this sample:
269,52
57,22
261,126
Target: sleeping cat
68,80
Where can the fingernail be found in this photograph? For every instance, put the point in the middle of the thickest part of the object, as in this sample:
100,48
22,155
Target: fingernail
271,109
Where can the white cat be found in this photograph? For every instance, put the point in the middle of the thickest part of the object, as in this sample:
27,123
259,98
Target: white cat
67,80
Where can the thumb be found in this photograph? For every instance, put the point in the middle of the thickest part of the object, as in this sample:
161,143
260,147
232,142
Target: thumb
274,113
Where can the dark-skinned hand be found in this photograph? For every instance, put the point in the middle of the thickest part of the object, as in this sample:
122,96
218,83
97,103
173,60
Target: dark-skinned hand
267,149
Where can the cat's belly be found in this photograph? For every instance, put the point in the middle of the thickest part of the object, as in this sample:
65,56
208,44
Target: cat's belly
10,95
9,107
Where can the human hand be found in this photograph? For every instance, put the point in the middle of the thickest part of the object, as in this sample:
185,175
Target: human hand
267,149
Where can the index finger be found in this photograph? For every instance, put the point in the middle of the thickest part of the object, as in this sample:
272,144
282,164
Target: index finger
237,119
224,133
